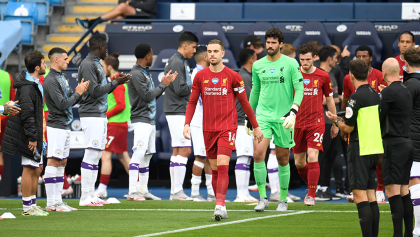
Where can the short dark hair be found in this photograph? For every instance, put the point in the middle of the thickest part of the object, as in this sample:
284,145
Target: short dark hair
142,50
216,41
406,33
325,52
96,41
360,69
32,60
306,48
56,50
317,46
187,37
199,50
274,33
364,48
112,60
412,56
245,55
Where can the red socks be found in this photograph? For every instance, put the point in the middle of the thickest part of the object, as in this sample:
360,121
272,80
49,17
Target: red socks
222,184
214,175
379,178
1,170
66,184
303,172
313,177
105,179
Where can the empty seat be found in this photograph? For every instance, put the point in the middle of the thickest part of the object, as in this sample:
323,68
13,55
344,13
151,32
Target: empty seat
212,30
312,31
259,29
163,57
414,27
229,60
364,33
43,8
26,12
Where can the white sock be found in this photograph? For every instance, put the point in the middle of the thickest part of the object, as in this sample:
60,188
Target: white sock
86,171
33,200
210,190
171,173
95,173
415,197
59,185
50,183
241,170
179,171
144,173
27,203
195,185
102,187
133,171
273,173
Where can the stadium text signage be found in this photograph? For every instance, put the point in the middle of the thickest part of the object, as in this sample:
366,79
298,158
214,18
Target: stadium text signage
136,28
386,27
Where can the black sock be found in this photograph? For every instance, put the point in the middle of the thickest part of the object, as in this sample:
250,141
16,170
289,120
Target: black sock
375,218
365,218
92,21
408,215
397,213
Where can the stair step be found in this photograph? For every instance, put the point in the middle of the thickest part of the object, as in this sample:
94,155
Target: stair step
91,1
75,28
72,18
65,46
99,10
58,38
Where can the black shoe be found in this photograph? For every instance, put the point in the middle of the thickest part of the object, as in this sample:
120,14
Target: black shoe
84,24
341,192
322,196
332,195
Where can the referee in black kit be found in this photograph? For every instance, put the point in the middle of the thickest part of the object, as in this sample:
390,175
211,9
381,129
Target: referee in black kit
395,114
362,123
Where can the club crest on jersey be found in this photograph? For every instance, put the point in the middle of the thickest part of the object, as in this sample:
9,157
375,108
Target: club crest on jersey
206,81
281,69
306,81
215,80
316,83
95,143
224,82
272,70
263,71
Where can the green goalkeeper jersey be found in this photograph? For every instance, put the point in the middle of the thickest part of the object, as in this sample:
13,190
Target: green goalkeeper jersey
272,87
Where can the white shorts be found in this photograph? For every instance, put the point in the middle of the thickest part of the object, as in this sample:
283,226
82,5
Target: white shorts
272,146
58,143
94,130
415,170
176,128
31,163
198,141
244,143
144,137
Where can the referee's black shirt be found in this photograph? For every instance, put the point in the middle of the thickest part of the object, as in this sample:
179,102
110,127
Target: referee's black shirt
395,111
364,96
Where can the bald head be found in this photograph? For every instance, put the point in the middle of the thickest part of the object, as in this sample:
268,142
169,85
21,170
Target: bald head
391,70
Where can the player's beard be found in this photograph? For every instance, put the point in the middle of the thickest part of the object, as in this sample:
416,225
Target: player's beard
215,63
306,67
275,51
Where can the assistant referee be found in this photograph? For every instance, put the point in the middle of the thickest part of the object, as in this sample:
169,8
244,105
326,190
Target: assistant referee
362,123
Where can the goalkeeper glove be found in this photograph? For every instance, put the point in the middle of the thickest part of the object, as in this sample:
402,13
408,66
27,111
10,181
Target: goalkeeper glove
290,117
248,126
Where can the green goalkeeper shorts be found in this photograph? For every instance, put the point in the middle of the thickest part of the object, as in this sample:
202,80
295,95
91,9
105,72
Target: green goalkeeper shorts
282,137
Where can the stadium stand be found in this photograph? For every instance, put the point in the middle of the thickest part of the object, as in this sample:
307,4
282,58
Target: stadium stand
312,31
44,10
364,33
414,27
27,14
163,57
212,30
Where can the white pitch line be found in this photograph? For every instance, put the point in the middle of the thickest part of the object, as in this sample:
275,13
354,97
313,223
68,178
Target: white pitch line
221,224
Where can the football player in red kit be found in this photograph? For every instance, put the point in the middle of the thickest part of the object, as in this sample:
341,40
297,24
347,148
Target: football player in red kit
219,86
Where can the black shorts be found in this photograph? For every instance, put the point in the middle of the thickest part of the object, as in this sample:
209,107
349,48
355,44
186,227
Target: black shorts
396,161
361,169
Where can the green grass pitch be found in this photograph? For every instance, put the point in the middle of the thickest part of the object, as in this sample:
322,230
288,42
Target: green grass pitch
179,218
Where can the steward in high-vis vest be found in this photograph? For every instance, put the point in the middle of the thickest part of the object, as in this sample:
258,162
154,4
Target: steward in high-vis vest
362,123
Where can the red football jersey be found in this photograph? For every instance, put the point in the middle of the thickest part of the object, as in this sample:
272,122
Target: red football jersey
311,111
218,96
402,64
374,79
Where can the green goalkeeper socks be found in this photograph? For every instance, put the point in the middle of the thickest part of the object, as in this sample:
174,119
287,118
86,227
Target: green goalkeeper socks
284,179
260,173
